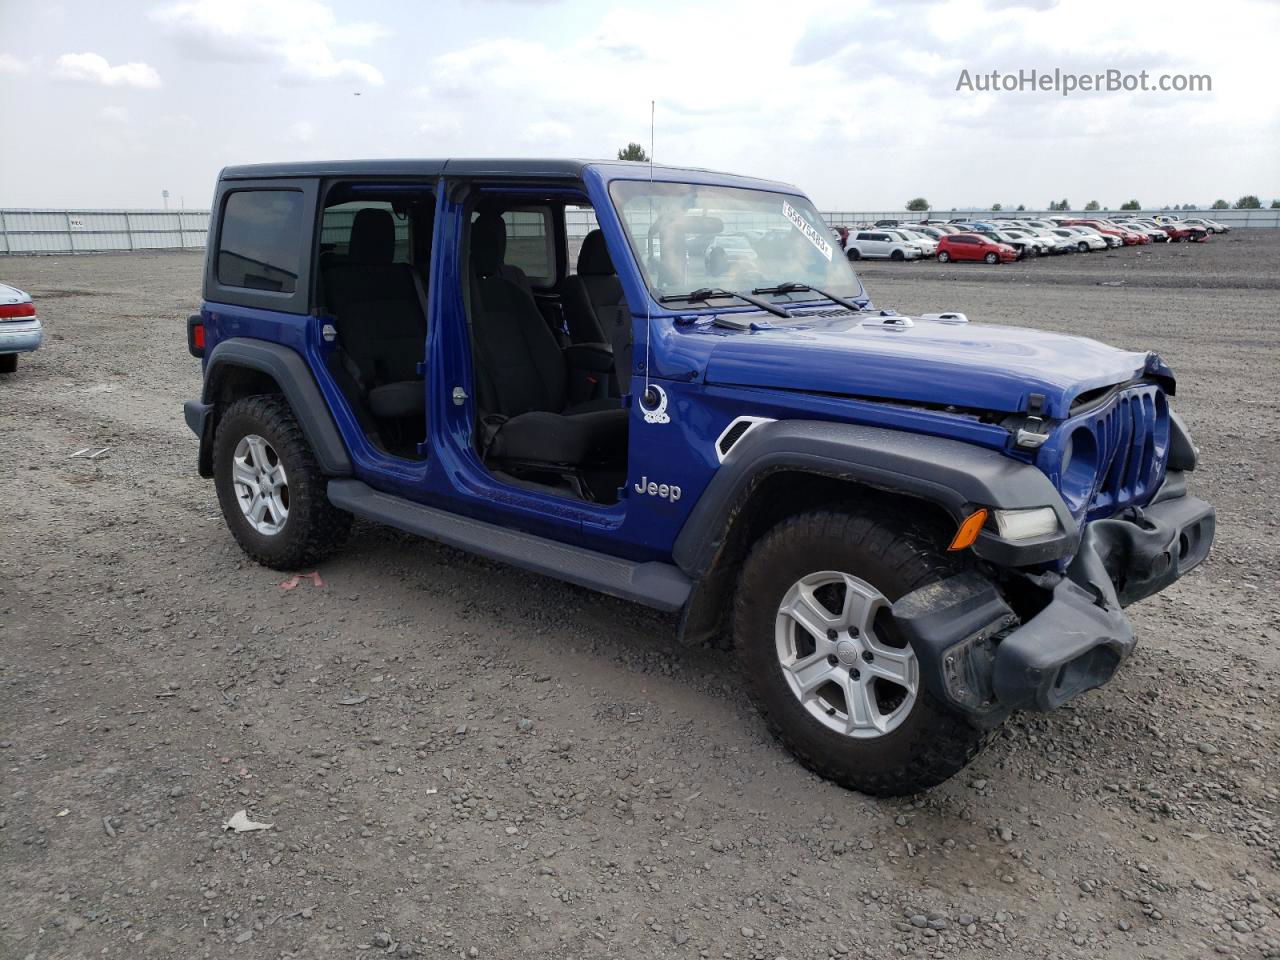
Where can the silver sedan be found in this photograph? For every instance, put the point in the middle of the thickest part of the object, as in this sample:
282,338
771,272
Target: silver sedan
20,330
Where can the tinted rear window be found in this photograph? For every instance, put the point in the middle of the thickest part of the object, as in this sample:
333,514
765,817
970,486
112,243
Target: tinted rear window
259,245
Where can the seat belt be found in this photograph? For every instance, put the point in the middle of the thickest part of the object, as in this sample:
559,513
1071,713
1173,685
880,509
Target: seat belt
419,286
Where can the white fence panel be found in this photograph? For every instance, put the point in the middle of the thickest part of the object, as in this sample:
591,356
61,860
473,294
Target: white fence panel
96,231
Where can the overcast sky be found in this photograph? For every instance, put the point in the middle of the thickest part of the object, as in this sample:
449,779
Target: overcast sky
106,103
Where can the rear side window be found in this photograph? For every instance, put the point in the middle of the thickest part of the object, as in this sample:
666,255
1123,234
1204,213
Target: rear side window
336,223
259,246
530,244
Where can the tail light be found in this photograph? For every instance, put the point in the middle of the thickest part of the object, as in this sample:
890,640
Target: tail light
17,311
195,335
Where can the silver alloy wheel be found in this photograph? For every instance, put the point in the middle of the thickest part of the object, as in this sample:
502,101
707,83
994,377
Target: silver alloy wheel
261,487
836,662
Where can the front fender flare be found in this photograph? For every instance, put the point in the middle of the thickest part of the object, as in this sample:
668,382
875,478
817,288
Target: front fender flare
290,371
956,476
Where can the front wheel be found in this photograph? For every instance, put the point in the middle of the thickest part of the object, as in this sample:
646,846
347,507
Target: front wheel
270,487
944,257
8,362
897,255
824,662
992,258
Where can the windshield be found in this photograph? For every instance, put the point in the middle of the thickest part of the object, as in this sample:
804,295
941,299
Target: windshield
689,237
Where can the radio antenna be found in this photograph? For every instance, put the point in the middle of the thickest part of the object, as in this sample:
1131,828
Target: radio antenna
648,300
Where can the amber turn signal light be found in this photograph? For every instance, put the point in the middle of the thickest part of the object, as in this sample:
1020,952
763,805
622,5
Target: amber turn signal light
969,530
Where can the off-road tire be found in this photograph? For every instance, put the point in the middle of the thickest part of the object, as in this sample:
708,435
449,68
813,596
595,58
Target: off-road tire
8,363
944,257
314,528
932,743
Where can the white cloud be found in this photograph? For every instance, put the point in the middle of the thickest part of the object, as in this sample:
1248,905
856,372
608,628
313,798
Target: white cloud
94,68
296,35
302,131
551,133
114,114
11,64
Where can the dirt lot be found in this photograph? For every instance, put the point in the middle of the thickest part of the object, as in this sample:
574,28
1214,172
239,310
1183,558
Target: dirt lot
462,760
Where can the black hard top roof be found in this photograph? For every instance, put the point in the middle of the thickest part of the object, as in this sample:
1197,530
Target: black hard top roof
480,167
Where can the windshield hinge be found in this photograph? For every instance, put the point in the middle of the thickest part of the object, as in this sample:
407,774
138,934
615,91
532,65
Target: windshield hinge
1031,435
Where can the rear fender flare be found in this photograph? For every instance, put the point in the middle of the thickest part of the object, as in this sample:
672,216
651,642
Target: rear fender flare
295,380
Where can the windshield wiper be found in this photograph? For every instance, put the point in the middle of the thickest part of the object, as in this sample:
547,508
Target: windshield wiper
706,293
792,287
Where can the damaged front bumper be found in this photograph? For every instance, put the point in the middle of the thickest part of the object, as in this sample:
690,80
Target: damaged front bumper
978,656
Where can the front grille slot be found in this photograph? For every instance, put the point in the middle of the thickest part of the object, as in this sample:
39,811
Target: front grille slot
1132,433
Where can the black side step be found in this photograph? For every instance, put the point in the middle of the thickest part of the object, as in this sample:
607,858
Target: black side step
659,585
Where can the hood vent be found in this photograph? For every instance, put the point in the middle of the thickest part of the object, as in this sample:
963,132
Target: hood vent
734,432
825,312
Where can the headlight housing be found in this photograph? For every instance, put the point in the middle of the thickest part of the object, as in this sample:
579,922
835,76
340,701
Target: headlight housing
1029,524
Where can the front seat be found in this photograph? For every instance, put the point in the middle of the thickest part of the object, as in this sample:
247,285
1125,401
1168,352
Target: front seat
523,375
595,308
380,313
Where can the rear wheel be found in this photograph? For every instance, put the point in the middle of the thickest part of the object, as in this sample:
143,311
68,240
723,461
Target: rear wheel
944,257
824,663
992,257
270,487
854,254
8,362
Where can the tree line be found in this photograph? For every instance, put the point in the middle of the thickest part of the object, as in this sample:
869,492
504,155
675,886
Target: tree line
1247,202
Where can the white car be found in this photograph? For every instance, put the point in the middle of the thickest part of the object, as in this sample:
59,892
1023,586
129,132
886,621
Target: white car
1053,242
1213,226
932,232
927,244
1141,226
880,245
20,330
1023,238
1085,240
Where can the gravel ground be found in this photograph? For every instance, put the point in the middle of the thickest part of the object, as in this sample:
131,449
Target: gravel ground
464,760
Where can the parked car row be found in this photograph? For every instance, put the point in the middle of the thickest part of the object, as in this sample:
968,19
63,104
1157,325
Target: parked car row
1004,239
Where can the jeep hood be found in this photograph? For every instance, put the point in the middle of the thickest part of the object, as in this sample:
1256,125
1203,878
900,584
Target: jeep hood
924,361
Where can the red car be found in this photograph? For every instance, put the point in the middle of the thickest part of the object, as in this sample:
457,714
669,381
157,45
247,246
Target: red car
974,246
1185,232
1127,237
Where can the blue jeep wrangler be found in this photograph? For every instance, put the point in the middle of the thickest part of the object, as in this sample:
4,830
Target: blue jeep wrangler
667,385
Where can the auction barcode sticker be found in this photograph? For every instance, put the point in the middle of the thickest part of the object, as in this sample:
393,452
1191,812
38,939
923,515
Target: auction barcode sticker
806,228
